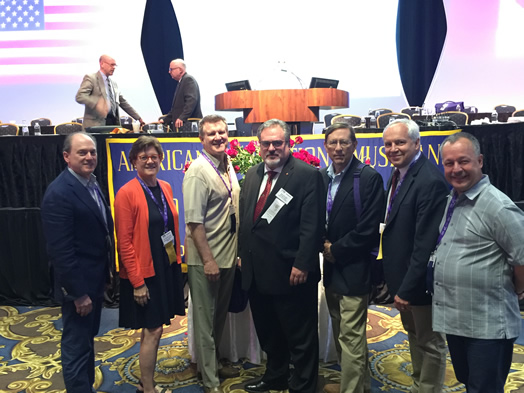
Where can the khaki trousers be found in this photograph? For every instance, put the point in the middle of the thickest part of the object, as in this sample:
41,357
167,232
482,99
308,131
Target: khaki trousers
349,320
428,350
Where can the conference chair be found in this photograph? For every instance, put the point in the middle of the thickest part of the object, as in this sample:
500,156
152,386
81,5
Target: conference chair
459,118
384,119
244,129
412,110
351,120
471,109
8,129
329,118
126,120
154,126
518,113
381,111
43,121
78,120
67,128
503,108
190,125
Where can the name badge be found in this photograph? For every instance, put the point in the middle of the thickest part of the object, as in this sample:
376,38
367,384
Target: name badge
273,210
381,228
167,237
284,196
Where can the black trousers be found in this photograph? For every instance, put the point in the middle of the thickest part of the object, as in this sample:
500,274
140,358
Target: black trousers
287,328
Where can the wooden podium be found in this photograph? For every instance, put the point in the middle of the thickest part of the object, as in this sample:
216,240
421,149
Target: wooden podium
290,105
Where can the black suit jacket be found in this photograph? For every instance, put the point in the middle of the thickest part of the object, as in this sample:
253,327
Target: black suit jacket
78,239
293,238
411,231
352,240
186,101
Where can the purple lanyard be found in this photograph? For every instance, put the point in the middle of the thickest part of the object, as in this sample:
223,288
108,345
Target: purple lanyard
449,213
164,212
229,190
400,181
330,199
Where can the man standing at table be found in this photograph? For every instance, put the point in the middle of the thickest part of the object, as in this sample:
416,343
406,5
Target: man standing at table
281,222
78,229
416,199
211,193
101,97
186,101
354,206
478,270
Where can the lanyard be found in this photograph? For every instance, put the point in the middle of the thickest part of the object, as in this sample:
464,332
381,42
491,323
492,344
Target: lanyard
400,181
163,212
230,188
449,213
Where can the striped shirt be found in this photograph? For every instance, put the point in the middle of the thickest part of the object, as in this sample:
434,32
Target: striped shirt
473,279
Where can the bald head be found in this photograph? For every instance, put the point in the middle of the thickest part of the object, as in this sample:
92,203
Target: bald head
107,65
177,69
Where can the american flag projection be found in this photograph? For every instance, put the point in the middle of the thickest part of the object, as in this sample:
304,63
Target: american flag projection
43,39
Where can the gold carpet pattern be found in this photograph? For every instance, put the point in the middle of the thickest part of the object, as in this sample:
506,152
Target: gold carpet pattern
30,357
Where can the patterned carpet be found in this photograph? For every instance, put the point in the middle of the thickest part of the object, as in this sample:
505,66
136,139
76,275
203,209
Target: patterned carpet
30,356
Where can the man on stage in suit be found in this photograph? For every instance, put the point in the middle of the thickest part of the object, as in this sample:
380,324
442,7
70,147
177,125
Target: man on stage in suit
101,97
211,193
186,101
281,222
352,223
416,199
478,270
78,229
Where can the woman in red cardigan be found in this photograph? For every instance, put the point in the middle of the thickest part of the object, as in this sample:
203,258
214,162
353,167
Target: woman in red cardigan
151,286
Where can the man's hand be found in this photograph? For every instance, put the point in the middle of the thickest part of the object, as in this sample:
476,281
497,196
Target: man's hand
178,123
83,305
327,252
211,270
141,295
297,277
142,122
401,304
102,107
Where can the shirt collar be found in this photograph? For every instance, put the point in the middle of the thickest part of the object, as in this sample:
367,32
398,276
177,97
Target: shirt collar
85,182
331,170
219,164
474,191
404,170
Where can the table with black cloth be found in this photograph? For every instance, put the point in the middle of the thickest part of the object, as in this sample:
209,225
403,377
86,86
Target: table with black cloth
28,164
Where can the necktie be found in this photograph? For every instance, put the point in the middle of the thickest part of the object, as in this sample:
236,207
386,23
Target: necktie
111,97
95,193
263,197
394,182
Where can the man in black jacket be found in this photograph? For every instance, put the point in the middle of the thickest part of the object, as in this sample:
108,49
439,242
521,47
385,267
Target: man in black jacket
354,195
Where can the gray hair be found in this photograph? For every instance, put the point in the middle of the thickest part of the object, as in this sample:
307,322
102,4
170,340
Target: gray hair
69,140
181,62
462,135
272,123
413,128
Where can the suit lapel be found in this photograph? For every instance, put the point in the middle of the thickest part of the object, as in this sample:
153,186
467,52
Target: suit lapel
405,186
344,189
85,197
285,175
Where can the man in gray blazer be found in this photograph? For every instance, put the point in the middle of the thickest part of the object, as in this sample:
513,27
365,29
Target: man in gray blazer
101,97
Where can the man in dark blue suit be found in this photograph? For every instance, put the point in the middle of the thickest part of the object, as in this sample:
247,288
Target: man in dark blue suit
78,228
416,199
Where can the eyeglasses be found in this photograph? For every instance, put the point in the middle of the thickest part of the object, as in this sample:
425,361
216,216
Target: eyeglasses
111,64
176,68
276,144
144,158
342,142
